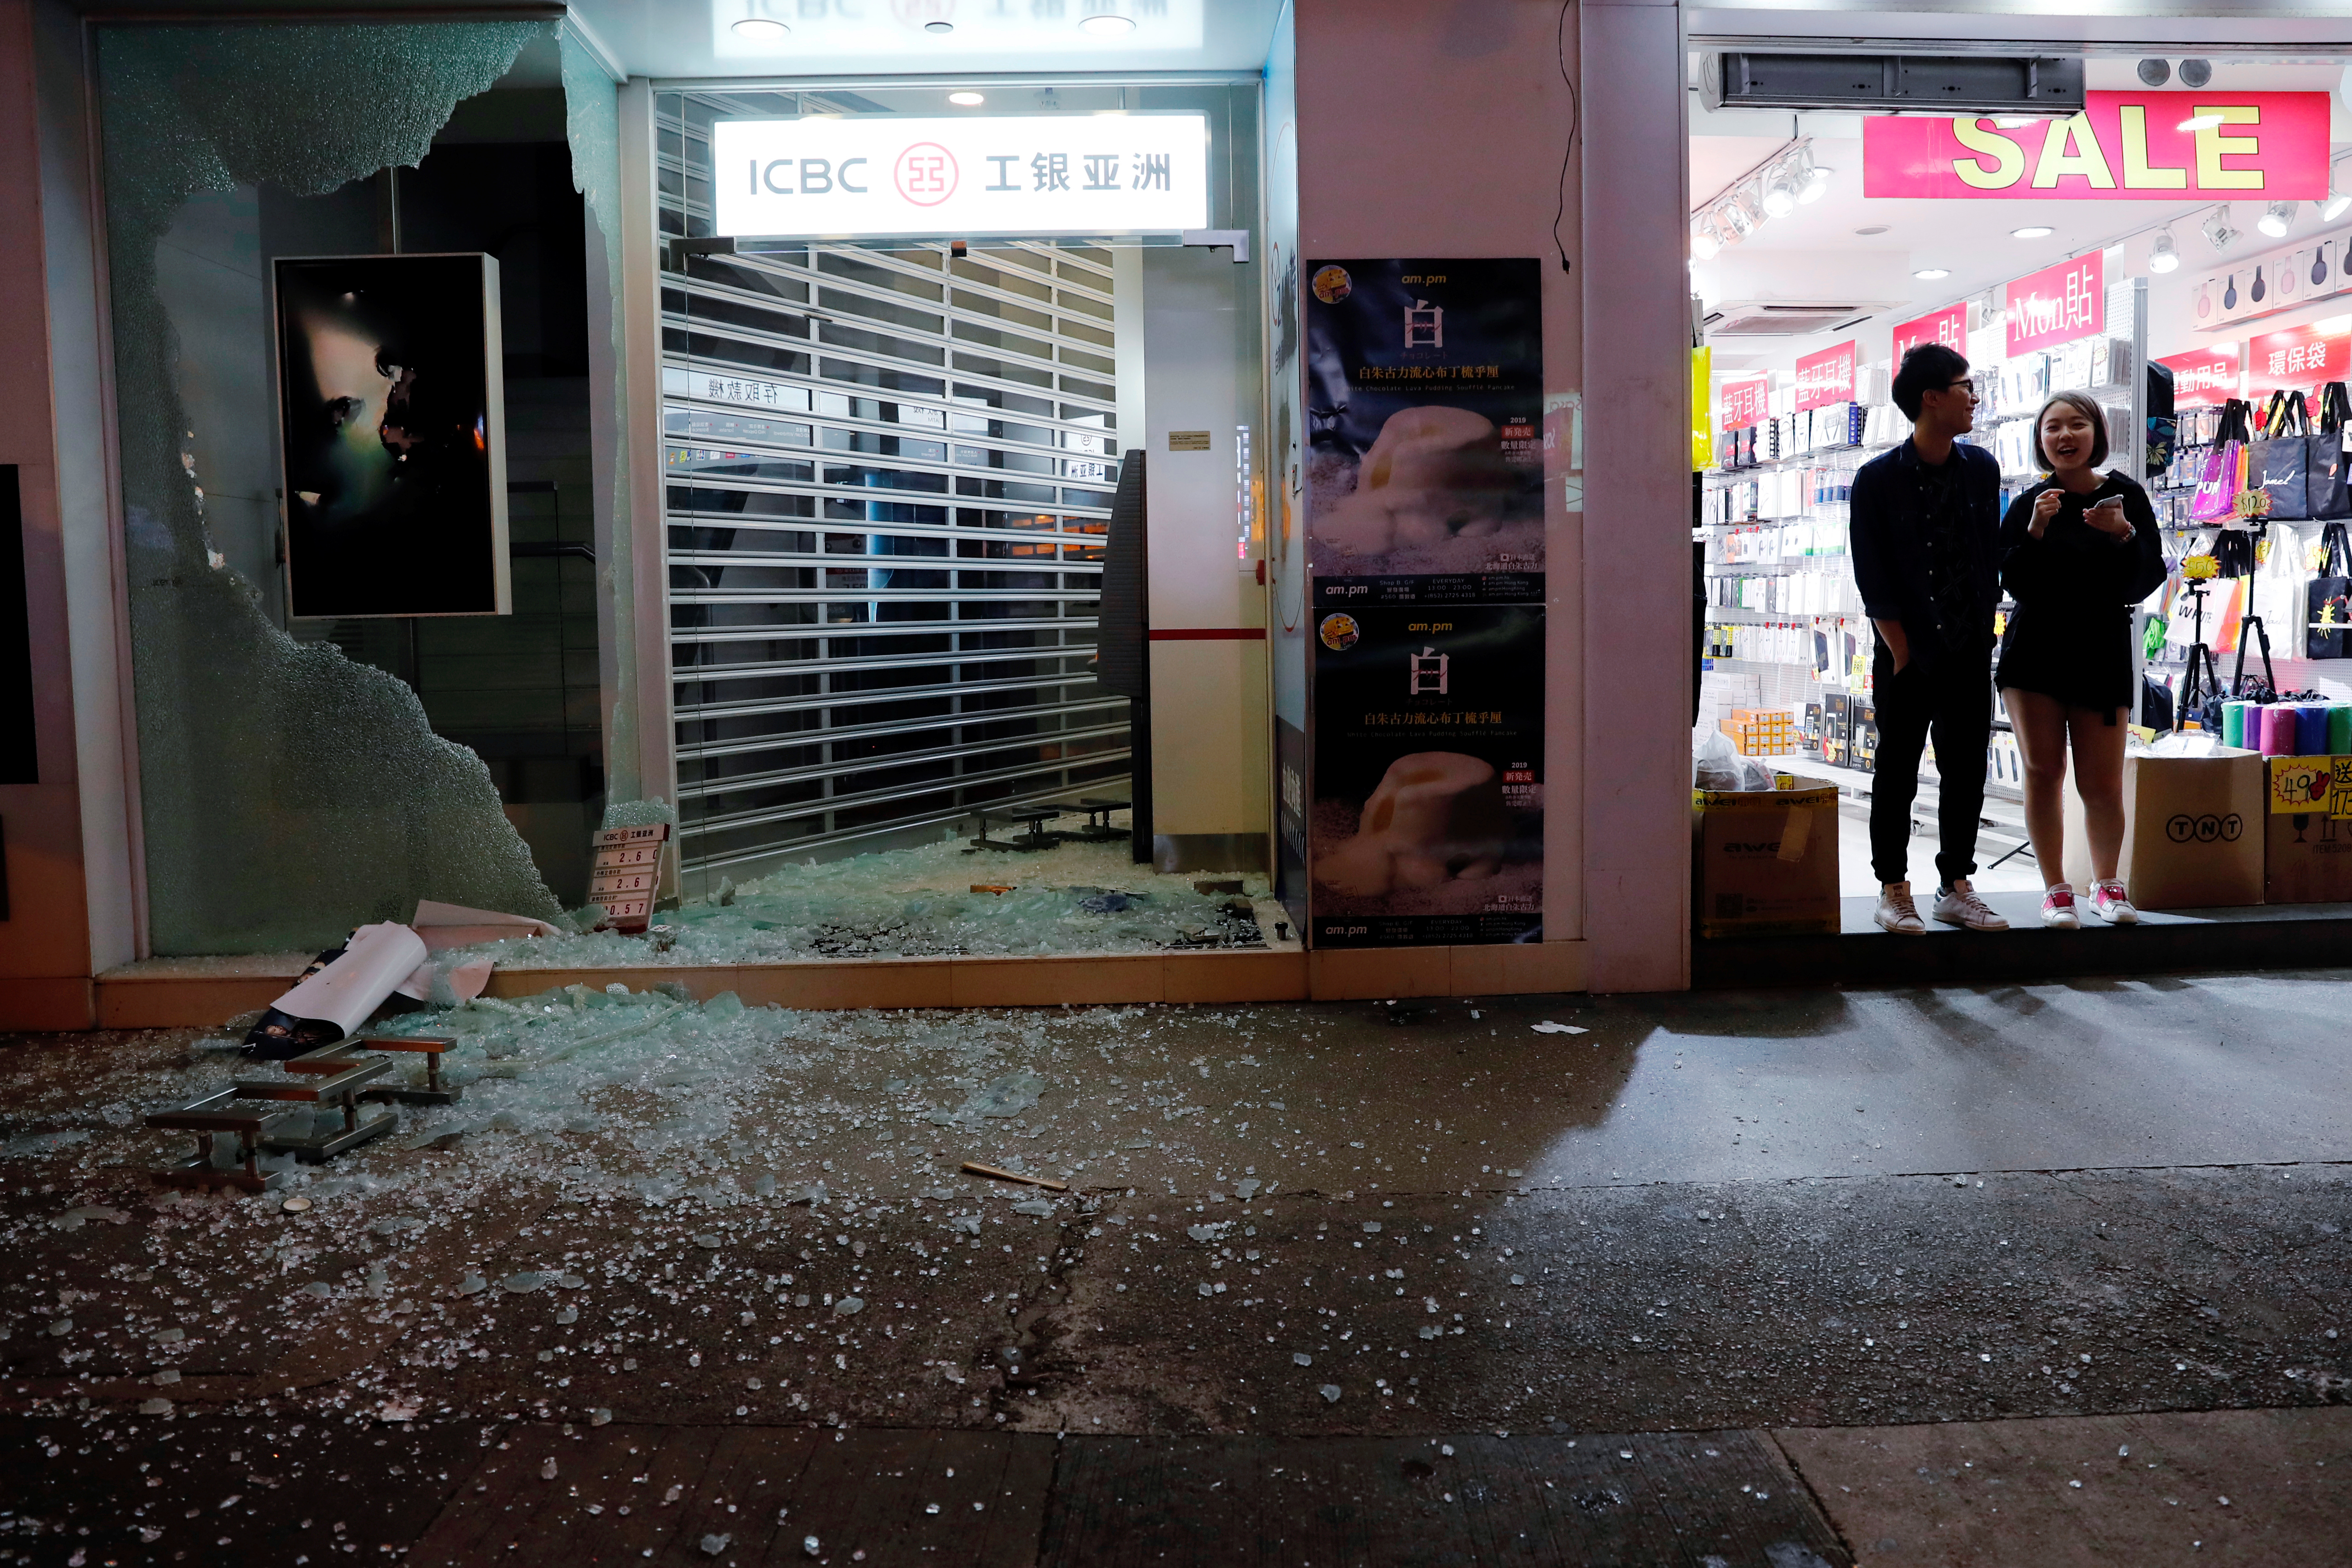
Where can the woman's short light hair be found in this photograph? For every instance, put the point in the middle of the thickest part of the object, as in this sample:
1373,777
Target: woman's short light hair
2083,405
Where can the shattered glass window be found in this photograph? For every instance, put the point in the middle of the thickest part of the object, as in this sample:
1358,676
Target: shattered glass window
288,791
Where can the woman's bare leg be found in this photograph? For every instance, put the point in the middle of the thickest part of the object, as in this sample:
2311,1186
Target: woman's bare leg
2040,724
2099,779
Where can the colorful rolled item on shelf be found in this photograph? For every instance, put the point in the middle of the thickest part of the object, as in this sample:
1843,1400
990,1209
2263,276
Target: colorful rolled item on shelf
2278,730
2233,723
2310,730
2339,730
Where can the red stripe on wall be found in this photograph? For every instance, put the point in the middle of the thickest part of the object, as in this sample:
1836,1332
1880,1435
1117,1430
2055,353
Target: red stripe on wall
1211,634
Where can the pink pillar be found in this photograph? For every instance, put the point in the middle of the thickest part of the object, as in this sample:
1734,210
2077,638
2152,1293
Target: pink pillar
1441,130
44,942
1637,608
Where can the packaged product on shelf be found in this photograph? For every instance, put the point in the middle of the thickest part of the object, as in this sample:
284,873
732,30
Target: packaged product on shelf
1835,731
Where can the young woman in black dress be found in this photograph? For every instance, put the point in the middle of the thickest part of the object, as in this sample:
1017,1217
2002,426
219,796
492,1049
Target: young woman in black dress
2078,550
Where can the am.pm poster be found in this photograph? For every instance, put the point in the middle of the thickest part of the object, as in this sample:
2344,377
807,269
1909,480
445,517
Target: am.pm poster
1426,828
1424,418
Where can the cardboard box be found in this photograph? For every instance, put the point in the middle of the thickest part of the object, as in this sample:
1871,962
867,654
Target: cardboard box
2307,831
2193,832
1766,861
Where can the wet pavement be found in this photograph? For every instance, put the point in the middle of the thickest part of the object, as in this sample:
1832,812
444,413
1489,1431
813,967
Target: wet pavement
1764,1278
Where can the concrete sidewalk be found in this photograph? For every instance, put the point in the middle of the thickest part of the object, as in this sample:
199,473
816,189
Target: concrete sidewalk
1770,1278
2231,1486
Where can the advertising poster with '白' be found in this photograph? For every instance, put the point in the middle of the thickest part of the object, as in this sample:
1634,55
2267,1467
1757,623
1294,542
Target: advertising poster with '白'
1424,411
1425,538
1427,827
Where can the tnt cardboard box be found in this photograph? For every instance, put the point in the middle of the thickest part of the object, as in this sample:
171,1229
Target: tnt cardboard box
2307,831
2193,835
1766,861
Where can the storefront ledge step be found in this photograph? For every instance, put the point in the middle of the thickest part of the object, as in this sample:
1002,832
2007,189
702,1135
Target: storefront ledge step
1345,974
194,991
166,993
2165,942
48,1002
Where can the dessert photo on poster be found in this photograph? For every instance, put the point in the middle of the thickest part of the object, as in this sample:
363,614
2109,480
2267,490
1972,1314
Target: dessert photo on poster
2141,275
1424,396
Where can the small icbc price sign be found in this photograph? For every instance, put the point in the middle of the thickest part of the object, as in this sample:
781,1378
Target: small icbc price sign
626,875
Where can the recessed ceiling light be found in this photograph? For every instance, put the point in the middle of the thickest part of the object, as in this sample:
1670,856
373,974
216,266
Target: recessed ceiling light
969,99
760,29
1929,274
941,27
1873,229
1108,26
2032,231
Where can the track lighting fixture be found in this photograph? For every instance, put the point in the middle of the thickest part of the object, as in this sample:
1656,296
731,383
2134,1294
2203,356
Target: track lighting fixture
2218,232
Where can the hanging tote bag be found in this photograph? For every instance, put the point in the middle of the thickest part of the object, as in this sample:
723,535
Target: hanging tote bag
2279,463
2327,491
2224,474
2328,597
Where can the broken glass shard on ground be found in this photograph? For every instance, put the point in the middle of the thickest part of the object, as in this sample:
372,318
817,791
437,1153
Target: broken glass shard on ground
1009,1095
920,902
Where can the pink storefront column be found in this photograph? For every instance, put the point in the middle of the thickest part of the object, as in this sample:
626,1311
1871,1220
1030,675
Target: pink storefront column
1637,607
1444,130
44,935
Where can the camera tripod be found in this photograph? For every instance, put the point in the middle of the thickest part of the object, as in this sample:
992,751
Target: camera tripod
2203,677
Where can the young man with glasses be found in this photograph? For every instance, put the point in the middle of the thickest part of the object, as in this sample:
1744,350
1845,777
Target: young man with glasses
1926,557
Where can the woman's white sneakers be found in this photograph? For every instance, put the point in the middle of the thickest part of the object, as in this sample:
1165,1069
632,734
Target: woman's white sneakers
2107,902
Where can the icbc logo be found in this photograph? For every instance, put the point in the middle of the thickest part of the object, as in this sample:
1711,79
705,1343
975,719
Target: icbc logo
926,174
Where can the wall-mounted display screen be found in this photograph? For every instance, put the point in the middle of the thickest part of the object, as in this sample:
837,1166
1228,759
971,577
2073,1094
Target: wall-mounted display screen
392,413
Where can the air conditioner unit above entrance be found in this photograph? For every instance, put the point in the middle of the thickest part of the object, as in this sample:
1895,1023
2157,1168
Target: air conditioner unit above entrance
1894,84
1788,317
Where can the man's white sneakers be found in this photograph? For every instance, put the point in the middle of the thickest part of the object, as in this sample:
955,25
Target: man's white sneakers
1959,906
1896,913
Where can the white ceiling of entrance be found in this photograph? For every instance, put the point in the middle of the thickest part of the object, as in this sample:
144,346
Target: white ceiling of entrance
1819,252
701,38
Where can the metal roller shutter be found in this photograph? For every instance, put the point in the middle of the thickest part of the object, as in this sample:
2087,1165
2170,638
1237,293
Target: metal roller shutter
887,477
